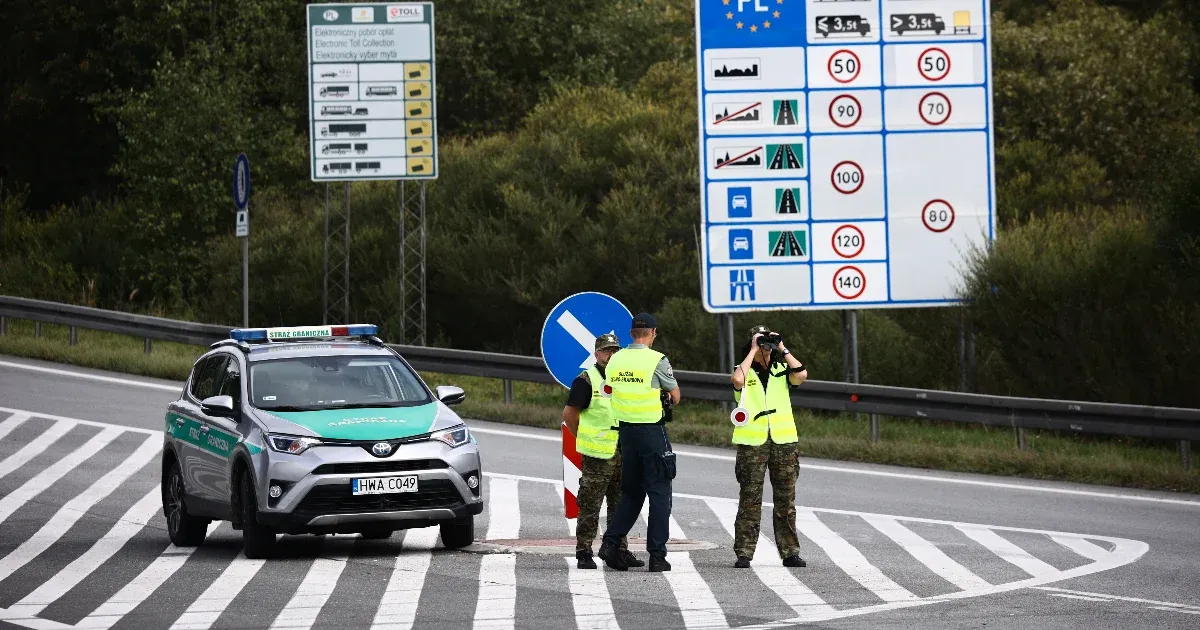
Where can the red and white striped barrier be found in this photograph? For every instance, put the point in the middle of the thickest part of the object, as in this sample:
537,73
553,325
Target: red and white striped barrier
572,470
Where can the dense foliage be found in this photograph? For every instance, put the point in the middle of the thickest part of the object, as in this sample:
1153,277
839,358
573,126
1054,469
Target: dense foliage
568,164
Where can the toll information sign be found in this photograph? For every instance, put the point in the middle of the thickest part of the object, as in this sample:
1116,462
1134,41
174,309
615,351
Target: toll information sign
846,151
371,91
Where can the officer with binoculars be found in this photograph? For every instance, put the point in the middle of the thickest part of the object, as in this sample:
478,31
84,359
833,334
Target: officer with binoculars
765,435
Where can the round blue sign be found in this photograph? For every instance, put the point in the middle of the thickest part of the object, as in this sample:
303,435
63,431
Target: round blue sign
569,334
241,181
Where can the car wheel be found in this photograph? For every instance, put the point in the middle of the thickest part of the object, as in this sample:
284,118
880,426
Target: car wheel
377,534
258,540
458,533
185,530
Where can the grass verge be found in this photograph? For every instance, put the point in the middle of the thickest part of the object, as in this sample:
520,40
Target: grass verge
905,442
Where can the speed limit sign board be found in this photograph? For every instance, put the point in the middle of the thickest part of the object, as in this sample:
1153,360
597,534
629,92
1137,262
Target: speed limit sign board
846,151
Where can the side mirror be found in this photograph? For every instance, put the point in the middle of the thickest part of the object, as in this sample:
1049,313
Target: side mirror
218,406
450,395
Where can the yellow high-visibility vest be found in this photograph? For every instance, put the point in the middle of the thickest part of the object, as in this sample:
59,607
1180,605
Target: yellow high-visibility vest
770,412
596,437
629,373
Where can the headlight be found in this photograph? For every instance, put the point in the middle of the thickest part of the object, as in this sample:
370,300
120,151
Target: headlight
292,444
456,436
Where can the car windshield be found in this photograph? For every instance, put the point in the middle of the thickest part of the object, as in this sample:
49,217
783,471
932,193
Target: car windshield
337,382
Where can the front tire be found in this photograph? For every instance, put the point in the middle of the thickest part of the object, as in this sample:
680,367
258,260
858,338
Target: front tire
185,530
458,533
258,540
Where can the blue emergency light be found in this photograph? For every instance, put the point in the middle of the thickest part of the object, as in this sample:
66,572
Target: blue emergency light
309,332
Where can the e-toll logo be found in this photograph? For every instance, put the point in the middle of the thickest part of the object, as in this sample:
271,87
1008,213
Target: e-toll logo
405,13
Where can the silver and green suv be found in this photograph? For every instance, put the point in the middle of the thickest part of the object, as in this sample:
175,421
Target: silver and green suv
313,431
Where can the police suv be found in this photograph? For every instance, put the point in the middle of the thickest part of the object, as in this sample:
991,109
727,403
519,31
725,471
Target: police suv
315,430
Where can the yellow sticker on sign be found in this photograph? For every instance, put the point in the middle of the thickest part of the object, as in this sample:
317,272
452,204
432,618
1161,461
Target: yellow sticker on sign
419,147
420,166
416,71
417,89
419,128
418,109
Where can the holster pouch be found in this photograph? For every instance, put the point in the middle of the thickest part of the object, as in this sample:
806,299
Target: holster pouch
667,461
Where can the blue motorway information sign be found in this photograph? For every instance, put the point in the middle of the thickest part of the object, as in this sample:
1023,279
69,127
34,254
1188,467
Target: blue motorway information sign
569,334
846,151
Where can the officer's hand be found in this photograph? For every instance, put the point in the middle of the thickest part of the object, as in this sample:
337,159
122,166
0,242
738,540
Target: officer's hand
782,346
754,341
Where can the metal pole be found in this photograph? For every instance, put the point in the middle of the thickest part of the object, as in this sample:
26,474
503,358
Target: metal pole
508,391
401,286
971,384
3,325
37,329
962,351
325,266
423,236
1022,444
845,348
854,345
1185,451
731,348
721,353
246,279
147,346
72,335
346,307
874,427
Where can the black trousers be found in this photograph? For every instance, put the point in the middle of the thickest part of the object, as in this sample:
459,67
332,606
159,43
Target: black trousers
647,468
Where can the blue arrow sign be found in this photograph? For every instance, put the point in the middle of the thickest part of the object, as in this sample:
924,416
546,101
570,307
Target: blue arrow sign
569,334
241,181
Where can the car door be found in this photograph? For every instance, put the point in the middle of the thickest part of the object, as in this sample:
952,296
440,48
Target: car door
187,423
219,435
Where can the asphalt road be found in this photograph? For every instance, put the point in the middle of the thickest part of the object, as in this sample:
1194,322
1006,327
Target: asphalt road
83,543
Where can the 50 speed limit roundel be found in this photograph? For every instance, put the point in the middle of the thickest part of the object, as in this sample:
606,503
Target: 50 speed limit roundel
844,66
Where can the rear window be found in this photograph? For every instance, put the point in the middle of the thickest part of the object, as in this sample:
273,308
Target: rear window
337,382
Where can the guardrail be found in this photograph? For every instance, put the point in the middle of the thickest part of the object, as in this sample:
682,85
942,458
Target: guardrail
1167,423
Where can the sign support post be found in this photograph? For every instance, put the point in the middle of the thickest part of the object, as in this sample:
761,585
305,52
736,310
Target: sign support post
241,200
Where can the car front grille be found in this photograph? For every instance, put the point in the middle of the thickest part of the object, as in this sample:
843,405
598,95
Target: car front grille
336,499
380,467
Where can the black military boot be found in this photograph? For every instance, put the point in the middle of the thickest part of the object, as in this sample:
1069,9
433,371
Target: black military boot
658,564
742,562
794,561
630,559
584,559
611,555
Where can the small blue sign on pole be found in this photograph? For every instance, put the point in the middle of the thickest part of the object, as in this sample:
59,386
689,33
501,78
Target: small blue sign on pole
569,334
241,181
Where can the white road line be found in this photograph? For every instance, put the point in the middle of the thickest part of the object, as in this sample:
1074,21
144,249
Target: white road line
1008,551
1083,547
496,607
90,423
590,598
1191,607
207,608
849,559
1084,598
73,510
141,588
35,446
310,597
673,528
12,422
398,606
928,554
46,478
92,377
127,527
697,605
1178,610
770,570
893,475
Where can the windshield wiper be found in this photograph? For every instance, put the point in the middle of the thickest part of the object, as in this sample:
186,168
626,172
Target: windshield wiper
289,408
368,406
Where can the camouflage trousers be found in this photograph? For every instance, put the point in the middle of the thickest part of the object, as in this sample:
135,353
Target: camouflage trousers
600,479
783,463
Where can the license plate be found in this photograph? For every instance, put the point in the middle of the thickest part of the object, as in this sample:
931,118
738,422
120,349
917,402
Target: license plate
383,485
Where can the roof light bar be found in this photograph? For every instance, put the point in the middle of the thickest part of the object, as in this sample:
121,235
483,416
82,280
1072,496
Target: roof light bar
303,332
